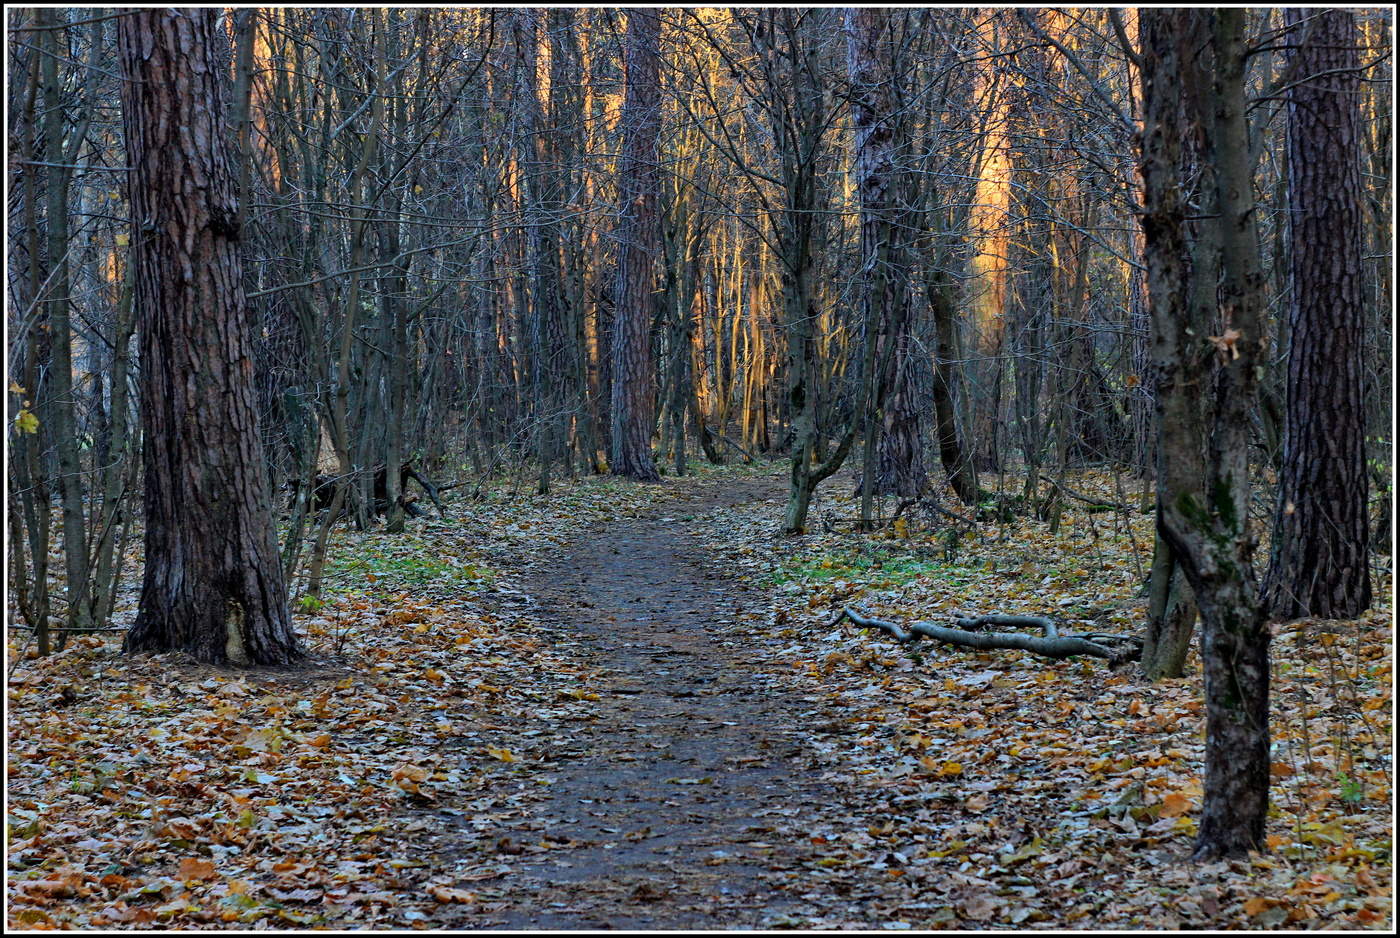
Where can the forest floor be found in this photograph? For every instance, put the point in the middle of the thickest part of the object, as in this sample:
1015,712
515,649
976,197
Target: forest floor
626,706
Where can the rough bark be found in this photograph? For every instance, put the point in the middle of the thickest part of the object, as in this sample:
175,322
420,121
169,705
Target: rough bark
1321,545
885,224
213,583
638,241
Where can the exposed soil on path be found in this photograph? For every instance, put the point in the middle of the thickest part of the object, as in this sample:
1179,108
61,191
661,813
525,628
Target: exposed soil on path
674,791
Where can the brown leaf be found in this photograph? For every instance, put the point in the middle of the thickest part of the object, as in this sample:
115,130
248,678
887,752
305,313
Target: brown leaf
196,868
980,908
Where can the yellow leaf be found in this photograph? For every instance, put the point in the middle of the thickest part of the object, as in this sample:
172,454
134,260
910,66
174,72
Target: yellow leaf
123,240
15,388
951,768
26,422
578,693
505,755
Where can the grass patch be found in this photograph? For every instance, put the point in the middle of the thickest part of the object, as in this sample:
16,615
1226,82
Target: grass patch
407,570
891,568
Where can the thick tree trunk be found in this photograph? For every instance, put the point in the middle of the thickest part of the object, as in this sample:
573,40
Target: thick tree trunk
1210,533
638,242
885,222
213,583
1321,551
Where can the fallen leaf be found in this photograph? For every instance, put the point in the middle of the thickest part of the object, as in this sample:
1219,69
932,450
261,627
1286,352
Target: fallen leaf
448,894
196,868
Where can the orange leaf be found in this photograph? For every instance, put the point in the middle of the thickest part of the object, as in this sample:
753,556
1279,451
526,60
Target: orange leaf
1258,904
410,773
1174,805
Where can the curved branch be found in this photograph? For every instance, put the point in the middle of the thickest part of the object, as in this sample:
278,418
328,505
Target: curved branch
969,633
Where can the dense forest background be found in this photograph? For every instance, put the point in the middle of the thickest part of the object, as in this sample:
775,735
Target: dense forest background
950,259
428,216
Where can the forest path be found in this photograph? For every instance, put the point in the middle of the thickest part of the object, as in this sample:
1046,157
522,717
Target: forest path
673,791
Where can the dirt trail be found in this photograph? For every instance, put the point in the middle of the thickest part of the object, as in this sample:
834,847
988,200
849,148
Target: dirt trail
675,788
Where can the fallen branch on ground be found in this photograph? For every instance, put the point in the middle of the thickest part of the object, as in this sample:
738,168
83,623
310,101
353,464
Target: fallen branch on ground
1096,502
931,506
972,632
748,457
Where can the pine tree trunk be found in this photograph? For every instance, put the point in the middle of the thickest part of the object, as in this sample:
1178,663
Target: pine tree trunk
638,242
213,583
1321,544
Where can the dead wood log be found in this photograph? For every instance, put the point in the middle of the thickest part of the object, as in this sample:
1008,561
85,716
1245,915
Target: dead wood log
411,473
1103,503
930,506
748,457
973,632
323,490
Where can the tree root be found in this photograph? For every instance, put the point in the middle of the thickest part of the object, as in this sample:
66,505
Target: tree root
973,632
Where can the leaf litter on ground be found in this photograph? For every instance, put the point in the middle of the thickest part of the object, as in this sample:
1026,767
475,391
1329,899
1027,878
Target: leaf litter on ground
395,780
